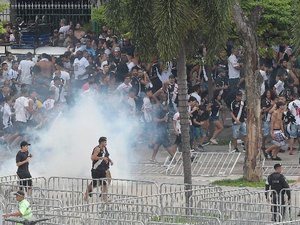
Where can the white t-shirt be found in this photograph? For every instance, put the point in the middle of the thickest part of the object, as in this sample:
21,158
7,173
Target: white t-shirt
25,68
263,86
130,66
48,104
63,75
147,109
12,74
124,88
6,115
294,108
59,95
279,87
20,109
64,29
176,118
132,106
232,71
80,66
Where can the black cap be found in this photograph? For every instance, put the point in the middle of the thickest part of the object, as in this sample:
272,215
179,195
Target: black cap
277,165
24,143
20,193
239,93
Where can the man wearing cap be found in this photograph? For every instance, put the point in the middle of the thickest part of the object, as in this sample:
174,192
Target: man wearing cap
24,209
277,182
22,159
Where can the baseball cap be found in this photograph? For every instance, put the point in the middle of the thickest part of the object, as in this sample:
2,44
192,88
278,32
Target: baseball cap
20,193
239,93
24,143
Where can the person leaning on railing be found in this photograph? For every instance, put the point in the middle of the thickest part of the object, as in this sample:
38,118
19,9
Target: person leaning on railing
24,210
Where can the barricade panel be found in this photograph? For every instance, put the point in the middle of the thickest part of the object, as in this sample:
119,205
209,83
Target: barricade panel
205,164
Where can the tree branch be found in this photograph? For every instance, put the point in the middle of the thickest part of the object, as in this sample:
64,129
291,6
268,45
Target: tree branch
255,16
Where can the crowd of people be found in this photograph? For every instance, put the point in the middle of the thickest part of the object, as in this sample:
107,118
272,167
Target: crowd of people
33,86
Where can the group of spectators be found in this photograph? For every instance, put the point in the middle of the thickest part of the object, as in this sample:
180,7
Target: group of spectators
105,65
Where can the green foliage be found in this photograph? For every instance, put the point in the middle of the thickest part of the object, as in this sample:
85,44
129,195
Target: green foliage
3,6
241,182
296,25
97,15
159,27
141,27
275,24
172,21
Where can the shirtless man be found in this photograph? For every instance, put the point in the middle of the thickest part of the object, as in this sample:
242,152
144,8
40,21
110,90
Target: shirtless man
276,132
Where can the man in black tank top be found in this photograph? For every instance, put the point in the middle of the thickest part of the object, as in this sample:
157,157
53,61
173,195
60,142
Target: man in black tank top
100,166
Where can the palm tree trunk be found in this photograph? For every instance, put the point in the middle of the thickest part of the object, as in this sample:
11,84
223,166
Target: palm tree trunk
184,119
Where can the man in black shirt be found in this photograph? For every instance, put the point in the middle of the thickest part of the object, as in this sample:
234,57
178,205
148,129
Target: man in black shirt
238,114
277,182
22,160
100,168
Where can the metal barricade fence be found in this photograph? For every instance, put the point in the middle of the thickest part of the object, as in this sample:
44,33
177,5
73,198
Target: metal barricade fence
246,222
78,214
205,164
188,213
243,211
292,208
290,168
119,222
128,211
8,178
116,187
194,199
169,187
197,221
172,199
11,185
295,222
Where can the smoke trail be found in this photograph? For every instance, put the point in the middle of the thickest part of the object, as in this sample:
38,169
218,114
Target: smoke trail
65,146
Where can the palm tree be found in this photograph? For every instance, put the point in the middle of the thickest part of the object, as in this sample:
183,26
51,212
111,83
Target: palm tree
172,28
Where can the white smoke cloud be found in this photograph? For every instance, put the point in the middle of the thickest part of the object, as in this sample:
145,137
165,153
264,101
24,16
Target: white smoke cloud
65,146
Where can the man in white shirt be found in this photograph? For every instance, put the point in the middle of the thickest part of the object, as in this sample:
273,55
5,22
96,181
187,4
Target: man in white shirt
80,64
21,107
123,88
234,72
63,27
294,127
25,67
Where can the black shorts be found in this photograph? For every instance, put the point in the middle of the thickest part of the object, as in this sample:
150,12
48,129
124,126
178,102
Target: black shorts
163,139
27,182
97,175
178,140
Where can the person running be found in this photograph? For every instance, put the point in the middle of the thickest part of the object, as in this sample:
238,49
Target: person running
215,116
100,167
23,158
24,209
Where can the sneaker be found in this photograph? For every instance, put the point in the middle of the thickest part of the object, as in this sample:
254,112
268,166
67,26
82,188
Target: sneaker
214,141
236,150
244,150
276,158
152,161
205,143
